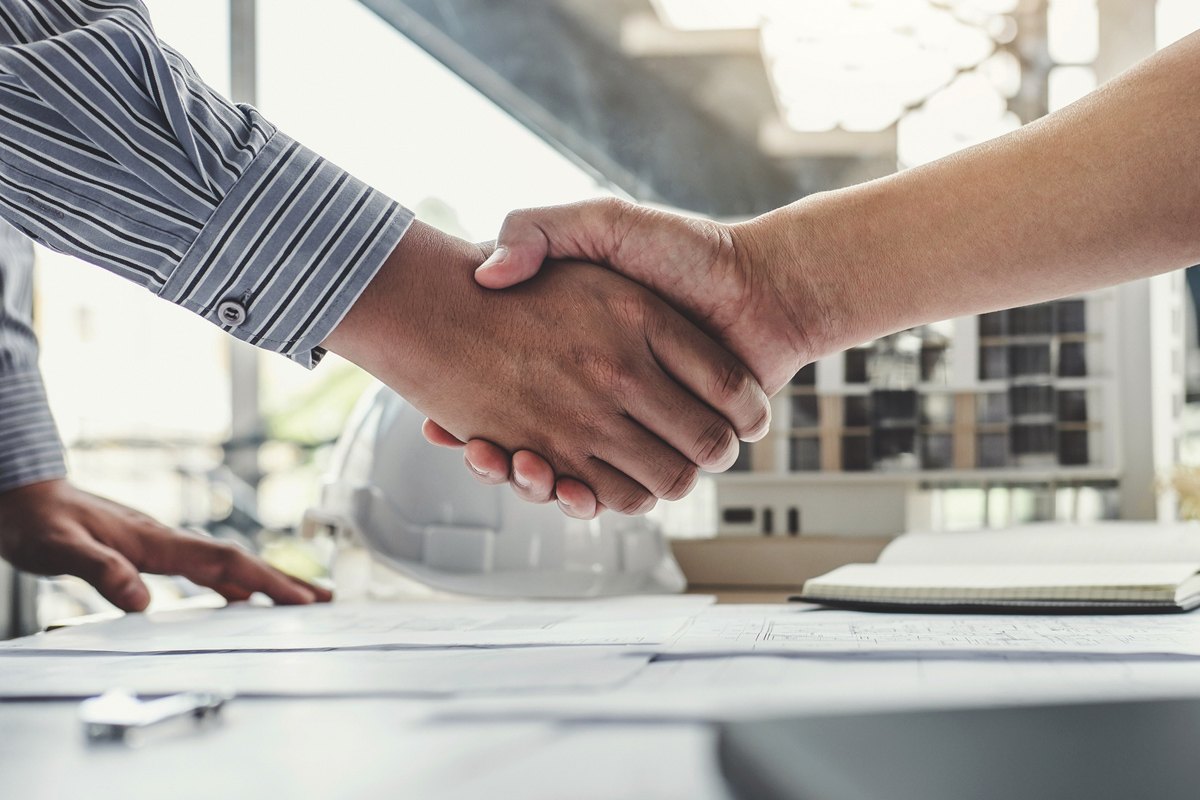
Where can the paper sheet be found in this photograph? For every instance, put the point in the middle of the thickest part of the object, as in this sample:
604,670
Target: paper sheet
800,628
709,688
394,673
1052,543
637,621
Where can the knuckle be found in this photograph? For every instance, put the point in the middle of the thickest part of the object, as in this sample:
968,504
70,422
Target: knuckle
514,218
680,482
608,373
108,566
629,308
715,443
633,501
614,206
226,554
732,382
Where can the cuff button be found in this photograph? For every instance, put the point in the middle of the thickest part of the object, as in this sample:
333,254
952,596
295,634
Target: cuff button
231,313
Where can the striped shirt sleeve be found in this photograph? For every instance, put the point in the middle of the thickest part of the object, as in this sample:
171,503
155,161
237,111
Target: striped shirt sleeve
30,450
112,149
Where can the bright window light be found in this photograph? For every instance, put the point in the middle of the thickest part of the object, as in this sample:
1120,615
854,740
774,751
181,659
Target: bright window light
860,65
1176,19
1065,85
1073,31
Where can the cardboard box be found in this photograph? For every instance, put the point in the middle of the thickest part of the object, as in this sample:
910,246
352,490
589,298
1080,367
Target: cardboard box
756,563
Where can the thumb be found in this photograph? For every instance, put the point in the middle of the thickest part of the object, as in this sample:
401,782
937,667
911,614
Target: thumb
586,230
520,251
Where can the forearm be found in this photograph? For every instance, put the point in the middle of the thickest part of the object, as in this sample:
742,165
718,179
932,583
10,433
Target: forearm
388,330
1105,191
114,150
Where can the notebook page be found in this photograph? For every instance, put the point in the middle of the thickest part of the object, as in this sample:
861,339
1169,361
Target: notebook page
979,581
1100,543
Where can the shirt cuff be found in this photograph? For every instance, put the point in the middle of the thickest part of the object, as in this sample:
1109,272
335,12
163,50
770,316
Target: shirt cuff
30,450
288,251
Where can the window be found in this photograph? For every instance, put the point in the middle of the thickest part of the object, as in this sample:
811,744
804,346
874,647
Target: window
1072,406
793,521
856,411
993,324
805,455
891,443
1029,359
1071,316
1032,439
805,413
739,515
992,450
1072,359
1073,447
937,451
934,364
993,363
856,453
856,365
992,408
1032,401
937,409
1031,320
807,376
894,406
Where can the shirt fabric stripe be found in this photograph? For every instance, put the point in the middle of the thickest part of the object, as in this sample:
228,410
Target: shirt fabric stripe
114,150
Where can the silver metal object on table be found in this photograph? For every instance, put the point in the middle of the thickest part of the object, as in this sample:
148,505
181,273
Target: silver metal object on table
116,713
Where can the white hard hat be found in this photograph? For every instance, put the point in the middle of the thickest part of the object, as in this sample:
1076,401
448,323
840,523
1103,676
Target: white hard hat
415,508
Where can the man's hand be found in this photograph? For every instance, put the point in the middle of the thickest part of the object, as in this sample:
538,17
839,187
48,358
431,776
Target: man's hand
711,272
592,371
707,270
53,528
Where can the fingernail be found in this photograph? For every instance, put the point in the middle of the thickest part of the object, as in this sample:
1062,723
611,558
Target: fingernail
498,255
520,480
565,507
483,473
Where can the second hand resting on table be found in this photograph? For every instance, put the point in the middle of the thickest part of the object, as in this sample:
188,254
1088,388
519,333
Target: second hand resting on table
1101,192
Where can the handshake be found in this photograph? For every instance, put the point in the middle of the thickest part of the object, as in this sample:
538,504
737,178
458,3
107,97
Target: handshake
633,349
602,354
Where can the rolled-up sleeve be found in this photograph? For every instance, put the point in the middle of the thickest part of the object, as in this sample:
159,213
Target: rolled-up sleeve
30,448
113,150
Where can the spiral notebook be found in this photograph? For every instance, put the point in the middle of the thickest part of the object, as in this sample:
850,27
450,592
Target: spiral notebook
1103,568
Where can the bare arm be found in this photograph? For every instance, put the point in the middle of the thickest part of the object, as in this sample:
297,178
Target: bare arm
1104,191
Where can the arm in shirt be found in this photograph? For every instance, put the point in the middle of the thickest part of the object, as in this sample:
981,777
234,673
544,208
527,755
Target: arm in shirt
112,149
30,450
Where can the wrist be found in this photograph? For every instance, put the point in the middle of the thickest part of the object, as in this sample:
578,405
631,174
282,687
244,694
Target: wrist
836,267
789,256
35,491
389,329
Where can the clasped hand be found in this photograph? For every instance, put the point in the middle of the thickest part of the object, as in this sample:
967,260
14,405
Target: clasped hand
611,386
704,269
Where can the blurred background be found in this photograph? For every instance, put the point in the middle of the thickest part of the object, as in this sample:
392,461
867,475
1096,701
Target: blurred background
466,109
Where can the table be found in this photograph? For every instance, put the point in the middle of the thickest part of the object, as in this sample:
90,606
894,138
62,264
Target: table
650,734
